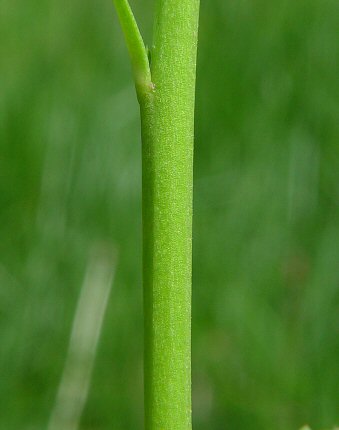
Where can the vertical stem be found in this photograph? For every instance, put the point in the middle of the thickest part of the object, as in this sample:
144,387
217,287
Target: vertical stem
167,115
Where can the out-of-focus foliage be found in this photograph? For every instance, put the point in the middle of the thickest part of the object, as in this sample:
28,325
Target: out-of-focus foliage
308,428
266,220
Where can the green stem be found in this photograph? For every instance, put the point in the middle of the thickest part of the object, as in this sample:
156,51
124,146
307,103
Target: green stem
167,124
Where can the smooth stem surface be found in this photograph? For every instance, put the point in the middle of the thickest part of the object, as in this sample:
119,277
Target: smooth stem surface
167,151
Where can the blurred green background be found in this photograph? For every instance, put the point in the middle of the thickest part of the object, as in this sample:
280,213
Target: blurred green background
266,218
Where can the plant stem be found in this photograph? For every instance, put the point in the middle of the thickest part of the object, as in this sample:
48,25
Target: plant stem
167,137
167,125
